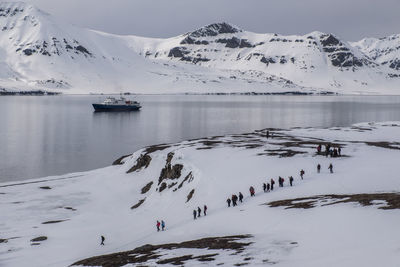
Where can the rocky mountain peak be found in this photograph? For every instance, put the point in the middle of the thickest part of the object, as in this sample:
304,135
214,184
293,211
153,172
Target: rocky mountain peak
214,29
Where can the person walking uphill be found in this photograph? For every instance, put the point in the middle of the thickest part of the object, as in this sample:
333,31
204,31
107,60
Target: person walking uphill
234,200
302,172
291,180
195,213
158,226
198,212
330,168
319,168
229,202
240,197
162,225
102,240
251,189
272,184
264,187
205,210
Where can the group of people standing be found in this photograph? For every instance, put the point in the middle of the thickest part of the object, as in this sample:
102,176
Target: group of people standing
234,199
197,213
162,224
330,151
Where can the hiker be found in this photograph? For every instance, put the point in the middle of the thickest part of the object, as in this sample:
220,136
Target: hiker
339,152
234,200
198,212
162,225
319,149
240,197
102,240
195,212
291,180
268,187
158,226
267,134
318,168
272,184
335,152
280,181
264,187
330,168
229,202
302,172
251,189
205,210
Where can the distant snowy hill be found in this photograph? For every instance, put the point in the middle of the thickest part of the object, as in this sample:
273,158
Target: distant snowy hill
38,51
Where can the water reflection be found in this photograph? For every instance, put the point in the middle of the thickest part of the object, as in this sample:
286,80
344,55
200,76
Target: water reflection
42,136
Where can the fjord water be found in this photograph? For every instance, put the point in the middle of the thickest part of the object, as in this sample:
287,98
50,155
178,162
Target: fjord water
50,135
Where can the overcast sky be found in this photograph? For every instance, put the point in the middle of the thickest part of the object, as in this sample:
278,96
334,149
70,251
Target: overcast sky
349,19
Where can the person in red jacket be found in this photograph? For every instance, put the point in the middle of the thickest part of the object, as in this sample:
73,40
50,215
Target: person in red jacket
158,226
251,191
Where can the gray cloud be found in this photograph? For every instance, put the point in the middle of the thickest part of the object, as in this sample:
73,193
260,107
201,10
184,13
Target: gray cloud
349,19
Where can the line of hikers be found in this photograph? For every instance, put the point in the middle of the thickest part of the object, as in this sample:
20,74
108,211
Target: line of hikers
330,151
197,214
267,187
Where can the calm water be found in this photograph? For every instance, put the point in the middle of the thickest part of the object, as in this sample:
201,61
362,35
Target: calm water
41,136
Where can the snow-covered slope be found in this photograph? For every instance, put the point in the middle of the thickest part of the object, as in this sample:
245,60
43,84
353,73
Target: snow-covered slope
345,218
38,51
385,51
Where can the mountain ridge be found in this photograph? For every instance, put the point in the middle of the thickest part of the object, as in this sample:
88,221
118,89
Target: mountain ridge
40,52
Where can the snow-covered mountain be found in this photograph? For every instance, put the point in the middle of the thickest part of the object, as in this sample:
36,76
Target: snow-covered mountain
38,51
385,51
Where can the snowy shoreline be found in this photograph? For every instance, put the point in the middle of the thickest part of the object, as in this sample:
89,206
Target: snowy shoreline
65,215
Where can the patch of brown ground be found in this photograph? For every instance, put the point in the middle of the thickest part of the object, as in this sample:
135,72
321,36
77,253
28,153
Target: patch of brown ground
392,201
145,253
137,205
143,161
146,188
119,160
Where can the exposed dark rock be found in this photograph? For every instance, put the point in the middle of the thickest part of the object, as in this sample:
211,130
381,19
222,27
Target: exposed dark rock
83,50
214,29
143,161
188,178
235,42
395,64
155,148
51,222
329,40
39,239
178,52
169,171
190,195
45,187
176,260
147,187
146,253
137,205
172,184
392,201
28,51
267,60
162,187
119,160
